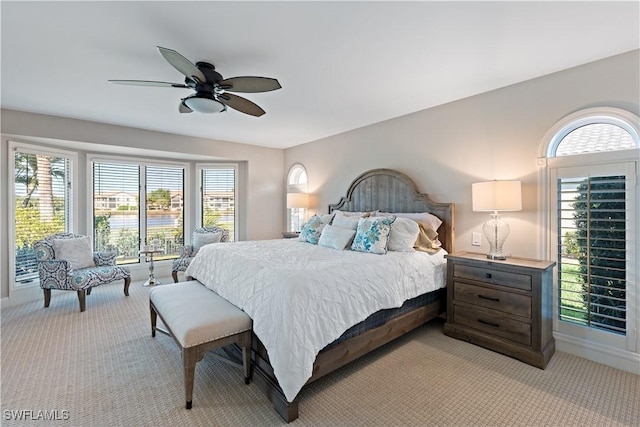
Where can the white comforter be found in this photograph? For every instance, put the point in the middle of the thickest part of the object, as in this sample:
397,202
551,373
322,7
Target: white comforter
302,297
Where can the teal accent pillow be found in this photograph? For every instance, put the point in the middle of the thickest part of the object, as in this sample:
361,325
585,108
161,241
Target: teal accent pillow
372,235
312,230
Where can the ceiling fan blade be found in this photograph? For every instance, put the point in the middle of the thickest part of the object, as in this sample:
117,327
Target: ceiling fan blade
241,104
148,83
182,64
184,109
250,84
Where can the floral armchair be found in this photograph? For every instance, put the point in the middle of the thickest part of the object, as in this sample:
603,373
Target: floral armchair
201,236
67,262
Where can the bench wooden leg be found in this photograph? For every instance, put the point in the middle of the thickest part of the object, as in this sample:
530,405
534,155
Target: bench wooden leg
190,356
244,341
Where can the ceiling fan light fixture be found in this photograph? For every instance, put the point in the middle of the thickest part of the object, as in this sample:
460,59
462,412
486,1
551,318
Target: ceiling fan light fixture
204,104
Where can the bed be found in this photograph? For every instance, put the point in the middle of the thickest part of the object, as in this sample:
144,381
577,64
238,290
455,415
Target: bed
314,308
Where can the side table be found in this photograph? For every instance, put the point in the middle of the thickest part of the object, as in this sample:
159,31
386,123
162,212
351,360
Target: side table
149,253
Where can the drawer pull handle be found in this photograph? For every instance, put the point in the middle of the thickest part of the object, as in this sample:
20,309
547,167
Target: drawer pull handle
489,298
495,325
487,275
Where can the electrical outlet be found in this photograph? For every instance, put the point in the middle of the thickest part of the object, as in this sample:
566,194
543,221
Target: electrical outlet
476,239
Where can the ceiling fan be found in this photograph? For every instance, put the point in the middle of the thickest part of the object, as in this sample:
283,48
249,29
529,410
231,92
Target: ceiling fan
212,91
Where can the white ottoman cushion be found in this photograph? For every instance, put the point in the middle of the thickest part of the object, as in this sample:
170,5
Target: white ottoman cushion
196,314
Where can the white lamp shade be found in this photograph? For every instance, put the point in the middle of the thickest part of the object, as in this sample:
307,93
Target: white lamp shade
297,200
497,196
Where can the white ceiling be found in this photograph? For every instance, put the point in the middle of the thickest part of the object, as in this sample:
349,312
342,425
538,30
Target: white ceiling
342,65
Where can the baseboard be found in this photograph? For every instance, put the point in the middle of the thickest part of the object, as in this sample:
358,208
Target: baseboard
609,356
31,292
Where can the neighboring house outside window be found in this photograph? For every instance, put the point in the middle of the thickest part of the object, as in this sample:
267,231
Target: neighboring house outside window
296,183
592,197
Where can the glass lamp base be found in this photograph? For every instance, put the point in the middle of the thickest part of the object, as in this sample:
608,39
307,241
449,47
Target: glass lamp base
496,232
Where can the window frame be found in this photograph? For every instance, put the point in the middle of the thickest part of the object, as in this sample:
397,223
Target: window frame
199,202
141,162
600,351
296,215
71,226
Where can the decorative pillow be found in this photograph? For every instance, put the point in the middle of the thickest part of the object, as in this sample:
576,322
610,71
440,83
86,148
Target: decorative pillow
427,240
372,235
335,237
201,239
403,235
77,251
312,230
432,220
345,221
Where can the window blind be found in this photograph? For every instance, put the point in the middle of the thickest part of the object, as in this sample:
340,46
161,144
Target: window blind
164,209
116,209
42,186
218,195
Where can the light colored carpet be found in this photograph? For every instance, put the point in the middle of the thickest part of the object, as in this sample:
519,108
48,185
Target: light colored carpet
102,368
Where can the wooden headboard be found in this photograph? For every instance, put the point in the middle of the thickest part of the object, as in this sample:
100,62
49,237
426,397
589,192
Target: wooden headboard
388,190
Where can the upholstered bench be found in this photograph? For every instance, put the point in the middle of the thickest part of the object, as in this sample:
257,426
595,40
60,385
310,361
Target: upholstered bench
199,320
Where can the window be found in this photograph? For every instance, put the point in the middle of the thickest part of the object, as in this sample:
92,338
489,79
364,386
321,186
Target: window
296,183
218,186
123,220
593,210
42,203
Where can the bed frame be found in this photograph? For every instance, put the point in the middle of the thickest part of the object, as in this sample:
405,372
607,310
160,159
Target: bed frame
378,189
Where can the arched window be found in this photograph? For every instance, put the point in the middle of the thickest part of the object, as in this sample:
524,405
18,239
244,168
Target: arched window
297,199
591,196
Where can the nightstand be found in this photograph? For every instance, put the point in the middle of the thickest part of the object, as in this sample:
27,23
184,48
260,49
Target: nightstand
505,306
290,234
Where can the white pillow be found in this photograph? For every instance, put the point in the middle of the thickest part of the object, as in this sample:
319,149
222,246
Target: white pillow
313,228
372,235
403,235
201,239
77,251
432,220
336,237
345,221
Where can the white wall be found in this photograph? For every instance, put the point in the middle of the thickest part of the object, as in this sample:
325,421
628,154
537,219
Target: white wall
494,135
262,169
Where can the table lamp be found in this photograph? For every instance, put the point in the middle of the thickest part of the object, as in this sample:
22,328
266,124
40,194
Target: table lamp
495,196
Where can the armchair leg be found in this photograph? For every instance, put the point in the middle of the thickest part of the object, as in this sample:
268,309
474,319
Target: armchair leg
81,298
89,291
127,282
47,297
174,274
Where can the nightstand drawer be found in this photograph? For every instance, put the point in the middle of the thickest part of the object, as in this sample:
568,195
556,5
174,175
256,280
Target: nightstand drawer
513,330
495,277
507,302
